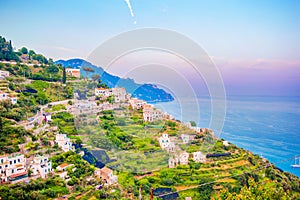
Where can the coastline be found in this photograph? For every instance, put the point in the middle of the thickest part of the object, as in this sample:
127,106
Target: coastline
266,126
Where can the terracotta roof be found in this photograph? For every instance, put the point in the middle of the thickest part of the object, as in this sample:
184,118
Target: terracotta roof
19,174
63,165
105,170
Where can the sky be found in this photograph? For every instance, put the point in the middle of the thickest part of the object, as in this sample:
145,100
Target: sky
254,43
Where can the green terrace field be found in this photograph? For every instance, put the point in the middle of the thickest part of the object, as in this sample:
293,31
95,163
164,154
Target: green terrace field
65,123
189,175
11,136
127,139
228,174
49,92
139,161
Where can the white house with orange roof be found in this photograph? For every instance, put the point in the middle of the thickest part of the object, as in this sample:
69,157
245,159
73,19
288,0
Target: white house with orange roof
12,167
107,175
62,170
63,166
73,72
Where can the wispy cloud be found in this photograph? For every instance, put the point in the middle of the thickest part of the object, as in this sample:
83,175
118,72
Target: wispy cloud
130,8
65,49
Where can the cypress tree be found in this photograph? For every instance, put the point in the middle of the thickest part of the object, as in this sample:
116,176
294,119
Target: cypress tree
64,78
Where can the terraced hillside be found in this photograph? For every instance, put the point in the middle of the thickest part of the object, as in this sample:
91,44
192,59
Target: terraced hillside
140,161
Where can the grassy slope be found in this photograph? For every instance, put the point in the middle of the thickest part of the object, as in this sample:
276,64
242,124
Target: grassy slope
226,171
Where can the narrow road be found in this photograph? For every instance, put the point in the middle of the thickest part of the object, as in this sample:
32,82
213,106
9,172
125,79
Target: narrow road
39,116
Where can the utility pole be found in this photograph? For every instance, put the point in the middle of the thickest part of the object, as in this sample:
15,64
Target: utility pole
151,194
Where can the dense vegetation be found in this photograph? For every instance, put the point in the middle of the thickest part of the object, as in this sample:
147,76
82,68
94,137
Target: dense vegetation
49,72
11,136
65,123
35,189
29,56
6,50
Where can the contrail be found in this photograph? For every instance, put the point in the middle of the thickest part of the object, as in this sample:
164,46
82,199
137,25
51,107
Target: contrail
130,8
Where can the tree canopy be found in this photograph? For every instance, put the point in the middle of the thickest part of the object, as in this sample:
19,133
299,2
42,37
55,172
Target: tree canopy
87,70
6,50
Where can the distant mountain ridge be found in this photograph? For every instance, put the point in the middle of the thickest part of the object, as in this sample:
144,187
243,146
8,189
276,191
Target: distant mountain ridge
148,92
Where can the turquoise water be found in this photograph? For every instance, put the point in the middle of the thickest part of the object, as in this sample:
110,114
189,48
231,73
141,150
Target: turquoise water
267,126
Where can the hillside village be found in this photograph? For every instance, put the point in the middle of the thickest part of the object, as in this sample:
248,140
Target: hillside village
17,168
67,136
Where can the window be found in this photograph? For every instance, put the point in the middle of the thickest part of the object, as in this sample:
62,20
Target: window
10,162
15,161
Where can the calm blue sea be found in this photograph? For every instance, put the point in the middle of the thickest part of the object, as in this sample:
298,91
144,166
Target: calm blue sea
267,126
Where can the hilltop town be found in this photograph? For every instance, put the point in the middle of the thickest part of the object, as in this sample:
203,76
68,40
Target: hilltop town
65,135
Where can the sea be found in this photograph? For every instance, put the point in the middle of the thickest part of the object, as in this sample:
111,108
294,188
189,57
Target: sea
265,125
